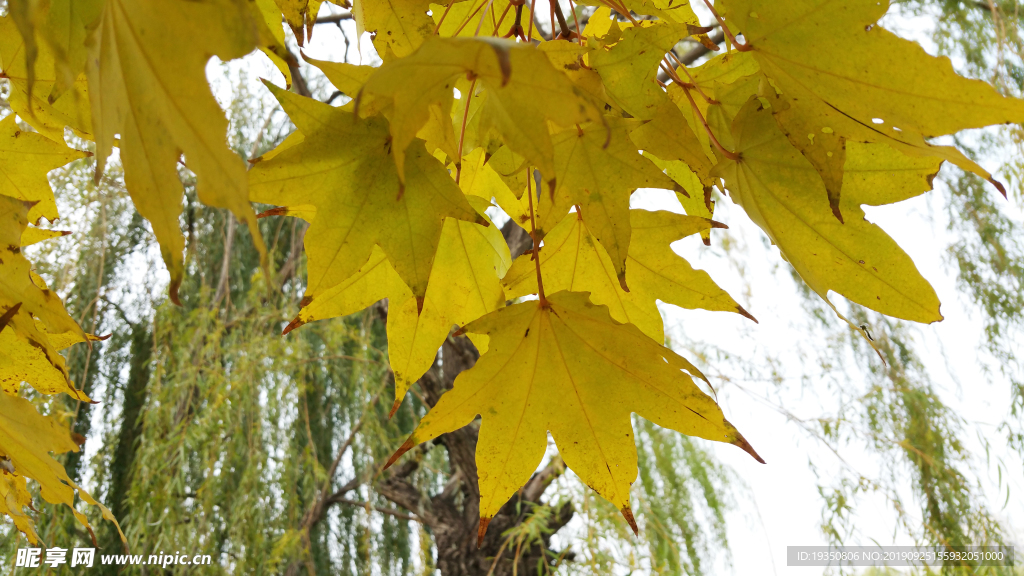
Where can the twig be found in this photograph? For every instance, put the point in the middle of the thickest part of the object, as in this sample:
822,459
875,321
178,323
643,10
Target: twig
695,53
225,264
333,18
443,16
533,235
741,47
462,136
714,139
381,509
561,21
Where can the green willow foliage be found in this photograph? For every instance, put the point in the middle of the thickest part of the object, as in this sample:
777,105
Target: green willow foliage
215,434
989,253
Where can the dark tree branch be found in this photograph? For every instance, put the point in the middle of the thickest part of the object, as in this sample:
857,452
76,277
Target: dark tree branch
695,53
380,509
540,481
517,238
334,18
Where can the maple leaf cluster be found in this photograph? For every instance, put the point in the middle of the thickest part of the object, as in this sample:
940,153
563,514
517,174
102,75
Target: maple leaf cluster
812,111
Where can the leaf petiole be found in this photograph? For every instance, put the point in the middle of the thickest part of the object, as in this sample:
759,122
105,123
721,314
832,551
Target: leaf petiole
727,153
462,135
742,47
533,236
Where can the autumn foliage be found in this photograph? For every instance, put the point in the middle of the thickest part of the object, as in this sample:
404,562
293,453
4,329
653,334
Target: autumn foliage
811,111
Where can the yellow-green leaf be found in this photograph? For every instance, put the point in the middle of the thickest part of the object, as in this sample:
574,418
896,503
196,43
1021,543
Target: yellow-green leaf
463,286
572,259
693,195
783,194
524,93
630,67
16,284
33,235
14,498
398,27
359,199
839,70
598,168
32,315
147,82
25,159
669,136
30,88
26,437
566,367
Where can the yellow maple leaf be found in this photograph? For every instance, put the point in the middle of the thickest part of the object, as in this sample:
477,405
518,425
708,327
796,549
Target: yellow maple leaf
693,195
670,137
26,437
358,197
33,235
730,79
480,179
147,82
480,18
630,67
837,70
572,259
33,316
58,29
463,286
524,92
398,26
32,87
564,366
25,159
597,168
267,17
300,16
14,498
783,194
17,287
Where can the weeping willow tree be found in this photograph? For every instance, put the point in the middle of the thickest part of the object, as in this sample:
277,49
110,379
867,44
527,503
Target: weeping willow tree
215,435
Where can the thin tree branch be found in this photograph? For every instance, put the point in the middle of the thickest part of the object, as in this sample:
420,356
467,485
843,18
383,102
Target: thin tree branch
380,509
225,264
334,18
694,54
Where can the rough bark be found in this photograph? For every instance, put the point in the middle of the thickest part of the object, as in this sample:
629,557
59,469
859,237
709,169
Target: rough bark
454,526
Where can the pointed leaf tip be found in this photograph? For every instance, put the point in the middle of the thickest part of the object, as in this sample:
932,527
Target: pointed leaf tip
743,312
746,447
395,407
6,318
398,453
292,325
622,281
627,513
999,186
717,224
172,291
837,213
482,531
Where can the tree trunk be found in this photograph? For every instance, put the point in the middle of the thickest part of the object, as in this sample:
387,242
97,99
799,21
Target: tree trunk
131,428
455,528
